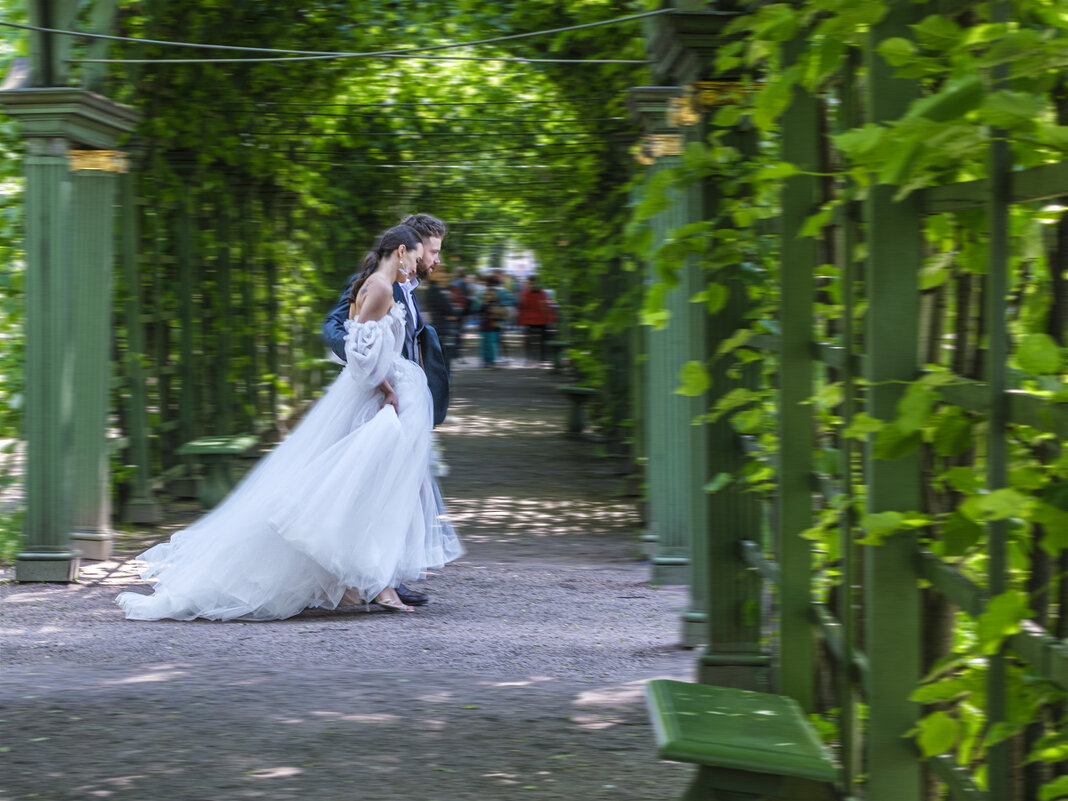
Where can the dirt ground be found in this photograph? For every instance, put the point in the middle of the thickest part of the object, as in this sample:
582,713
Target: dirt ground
522,678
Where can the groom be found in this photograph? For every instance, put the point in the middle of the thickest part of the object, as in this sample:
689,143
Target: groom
421,343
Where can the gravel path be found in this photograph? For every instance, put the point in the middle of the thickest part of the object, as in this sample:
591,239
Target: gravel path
522,678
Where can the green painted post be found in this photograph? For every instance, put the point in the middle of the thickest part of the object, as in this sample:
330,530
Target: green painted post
734,655
847,691
892,599
54,122
224,401
187,401
670,468
162,344
800,199
267,210
141,507
48,52
251,319
271,330
93,179
998,770
46,553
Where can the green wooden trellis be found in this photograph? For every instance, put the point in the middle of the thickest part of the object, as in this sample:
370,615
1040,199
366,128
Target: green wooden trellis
168,369
882,663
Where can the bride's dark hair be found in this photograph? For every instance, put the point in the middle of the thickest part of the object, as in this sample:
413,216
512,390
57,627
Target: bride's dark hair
389,241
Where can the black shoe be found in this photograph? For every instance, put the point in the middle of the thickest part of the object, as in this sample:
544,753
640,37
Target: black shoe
411,597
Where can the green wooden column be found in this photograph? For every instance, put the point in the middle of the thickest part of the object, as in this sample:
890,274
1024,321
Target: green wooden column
800,199
93,184
54,122
724,593
187,399
251,319
46,553
141,506
734,655
892,599
670,437
223,418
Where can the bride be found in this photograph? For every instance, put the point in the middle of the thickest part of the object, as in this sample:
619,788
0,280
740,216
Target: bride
344,508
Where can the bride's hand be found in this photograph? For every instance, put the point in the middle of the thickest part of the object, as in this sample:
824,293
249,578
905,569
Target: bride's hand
391,400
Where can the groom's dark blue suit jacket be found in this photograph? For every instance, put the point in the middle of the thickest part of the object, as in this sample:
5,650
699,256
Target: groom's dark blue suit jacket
418,334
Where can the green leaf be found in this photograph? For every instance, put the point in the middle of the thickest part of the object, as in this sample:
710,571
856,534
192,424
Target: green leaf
939,732
860,140
772,100
1006,502
735,340
1054,524
1039,354
658,195
893,443
948,689
720,481
953,432
694,380
897,51
1006,109
862,425
879,525
1002,618
782,169
739,396
653,312
775,23
958,535
951,102
914,408
749,421
727,116
1058,788
815,223
937,32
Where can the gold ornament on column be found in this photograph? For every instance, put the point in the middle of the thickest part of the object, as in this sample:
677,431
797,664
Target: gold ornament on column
101,160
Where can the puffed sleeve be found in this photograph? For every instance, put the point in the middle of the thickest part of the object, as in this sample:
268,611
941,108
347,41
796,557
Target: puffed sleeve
369,351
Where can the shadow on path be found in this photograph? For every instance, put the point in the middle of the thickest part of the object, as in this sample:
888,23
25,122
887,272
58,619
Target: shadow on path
522,678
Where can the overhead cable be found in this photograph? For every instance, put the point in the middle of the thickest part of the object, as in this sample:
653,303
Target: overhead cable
304,55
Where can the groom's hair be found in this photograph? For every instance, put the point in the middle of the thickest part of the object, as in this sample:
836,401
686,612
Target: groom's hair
425,225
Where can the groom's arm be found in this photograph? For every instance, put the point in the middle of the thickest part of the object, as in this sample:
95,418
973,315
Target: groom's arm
334,326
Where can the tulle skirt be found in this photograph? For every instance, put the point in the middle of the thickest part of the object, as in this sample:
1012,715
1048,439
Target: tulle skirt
346,501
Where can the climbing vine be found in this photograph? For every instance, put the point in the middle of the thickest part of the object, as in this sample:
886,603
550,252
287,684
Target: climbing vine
944,137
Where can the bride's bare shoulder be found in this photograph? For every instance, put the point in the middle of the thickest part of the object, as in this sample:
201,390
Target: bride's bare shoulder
375,300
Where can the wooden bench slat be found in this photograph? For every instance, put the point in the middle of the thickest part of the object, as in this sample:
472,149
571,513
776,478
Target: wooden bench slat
736,729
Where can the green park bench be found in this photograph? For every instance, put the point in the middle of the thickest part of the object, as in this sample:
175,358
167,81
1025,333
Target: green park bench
576,417
747,745
215,455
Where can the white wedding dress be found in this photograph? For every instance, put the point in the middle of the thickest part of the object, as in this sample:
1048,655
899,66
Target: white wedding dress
346,501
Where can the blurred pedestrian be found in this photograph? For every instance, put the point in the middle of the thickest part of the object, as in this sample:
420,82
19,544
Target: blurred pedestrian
507,299
536,315
443,314
462,299
491,312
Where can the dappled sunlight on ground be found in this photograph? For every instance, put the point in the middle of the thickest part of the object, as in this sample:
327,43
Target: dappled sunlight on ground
111,572
522,678
498,518
474,425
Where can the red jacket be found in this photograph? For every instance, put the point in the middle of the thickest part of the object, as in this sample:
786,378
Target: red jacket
534,308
